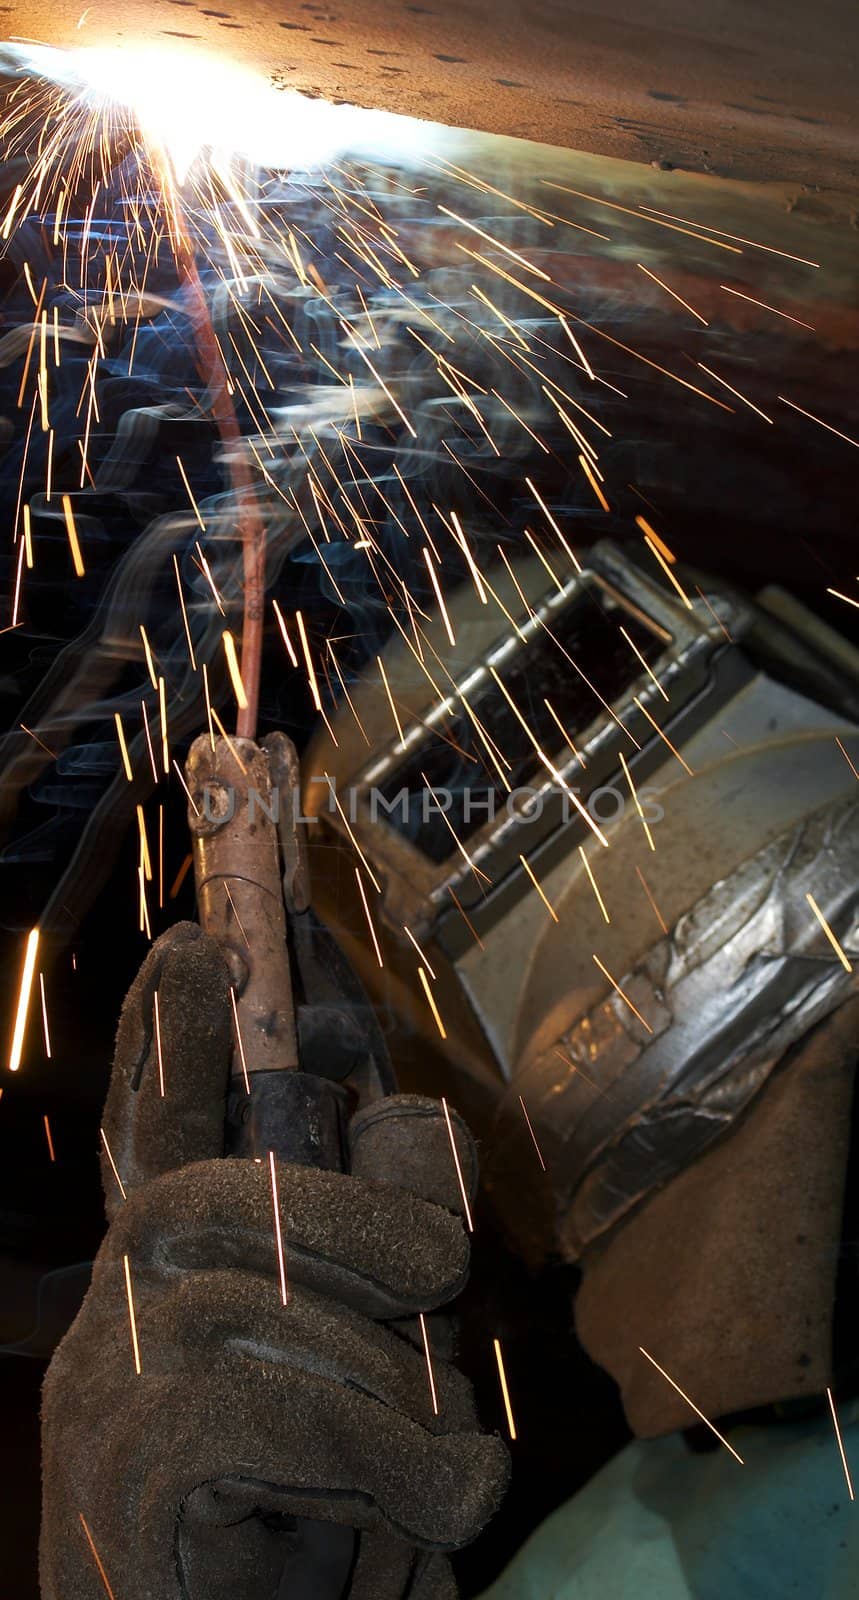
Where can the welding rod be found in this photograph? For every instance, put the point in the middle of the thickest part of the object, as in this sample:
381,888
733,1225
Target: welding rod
249,870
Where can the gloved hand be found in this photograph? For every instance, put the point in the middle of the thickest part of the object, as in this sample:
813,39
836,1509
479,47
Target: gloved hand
196,1478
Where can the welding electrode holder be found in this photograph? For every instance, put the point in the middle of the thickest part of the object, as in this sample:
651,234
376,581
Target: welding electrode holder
242,820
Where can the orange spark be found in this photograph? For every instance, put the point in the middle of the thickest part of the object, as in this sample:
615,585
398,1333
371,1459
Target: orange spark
107,1152
123,747
281,1263
162,712
735,392
367,915
820,423
550,908
233,668
72,532
840,1444
659,917
624,997
532,1133
593,883
675,582
23,1006
663,735
45,1028
158,1049
458,1165
430,1374
96,1557
431,1002
829,933
684,1396
131,1317
673,294
502,1378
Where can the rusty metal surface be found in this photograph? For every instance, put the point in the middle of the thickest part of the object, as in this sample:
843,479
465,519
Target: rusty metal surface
239,892
763,92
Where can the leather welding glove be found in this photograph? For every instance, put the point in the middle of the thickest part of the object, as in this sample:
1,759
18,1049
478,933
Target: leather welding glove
262,1451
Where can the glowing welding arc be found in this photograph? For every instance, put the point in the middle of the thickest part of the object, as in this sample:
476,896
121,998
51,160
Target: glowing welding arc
23,1006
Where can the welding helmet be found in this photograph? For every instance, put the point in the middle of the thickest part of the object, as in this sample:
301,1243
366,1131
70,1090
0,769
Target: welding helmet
614,829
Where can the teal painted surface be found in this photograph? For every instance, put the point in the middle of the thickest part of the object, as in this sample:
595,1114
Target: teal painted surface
659,1523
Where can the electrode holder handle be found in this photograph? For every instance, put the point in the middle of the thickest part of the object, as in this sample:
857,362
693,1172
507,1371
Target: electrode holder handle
298,1116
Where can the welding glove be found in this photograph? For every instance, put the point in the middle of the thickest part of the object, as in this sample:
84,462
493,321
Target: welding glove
262,1450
